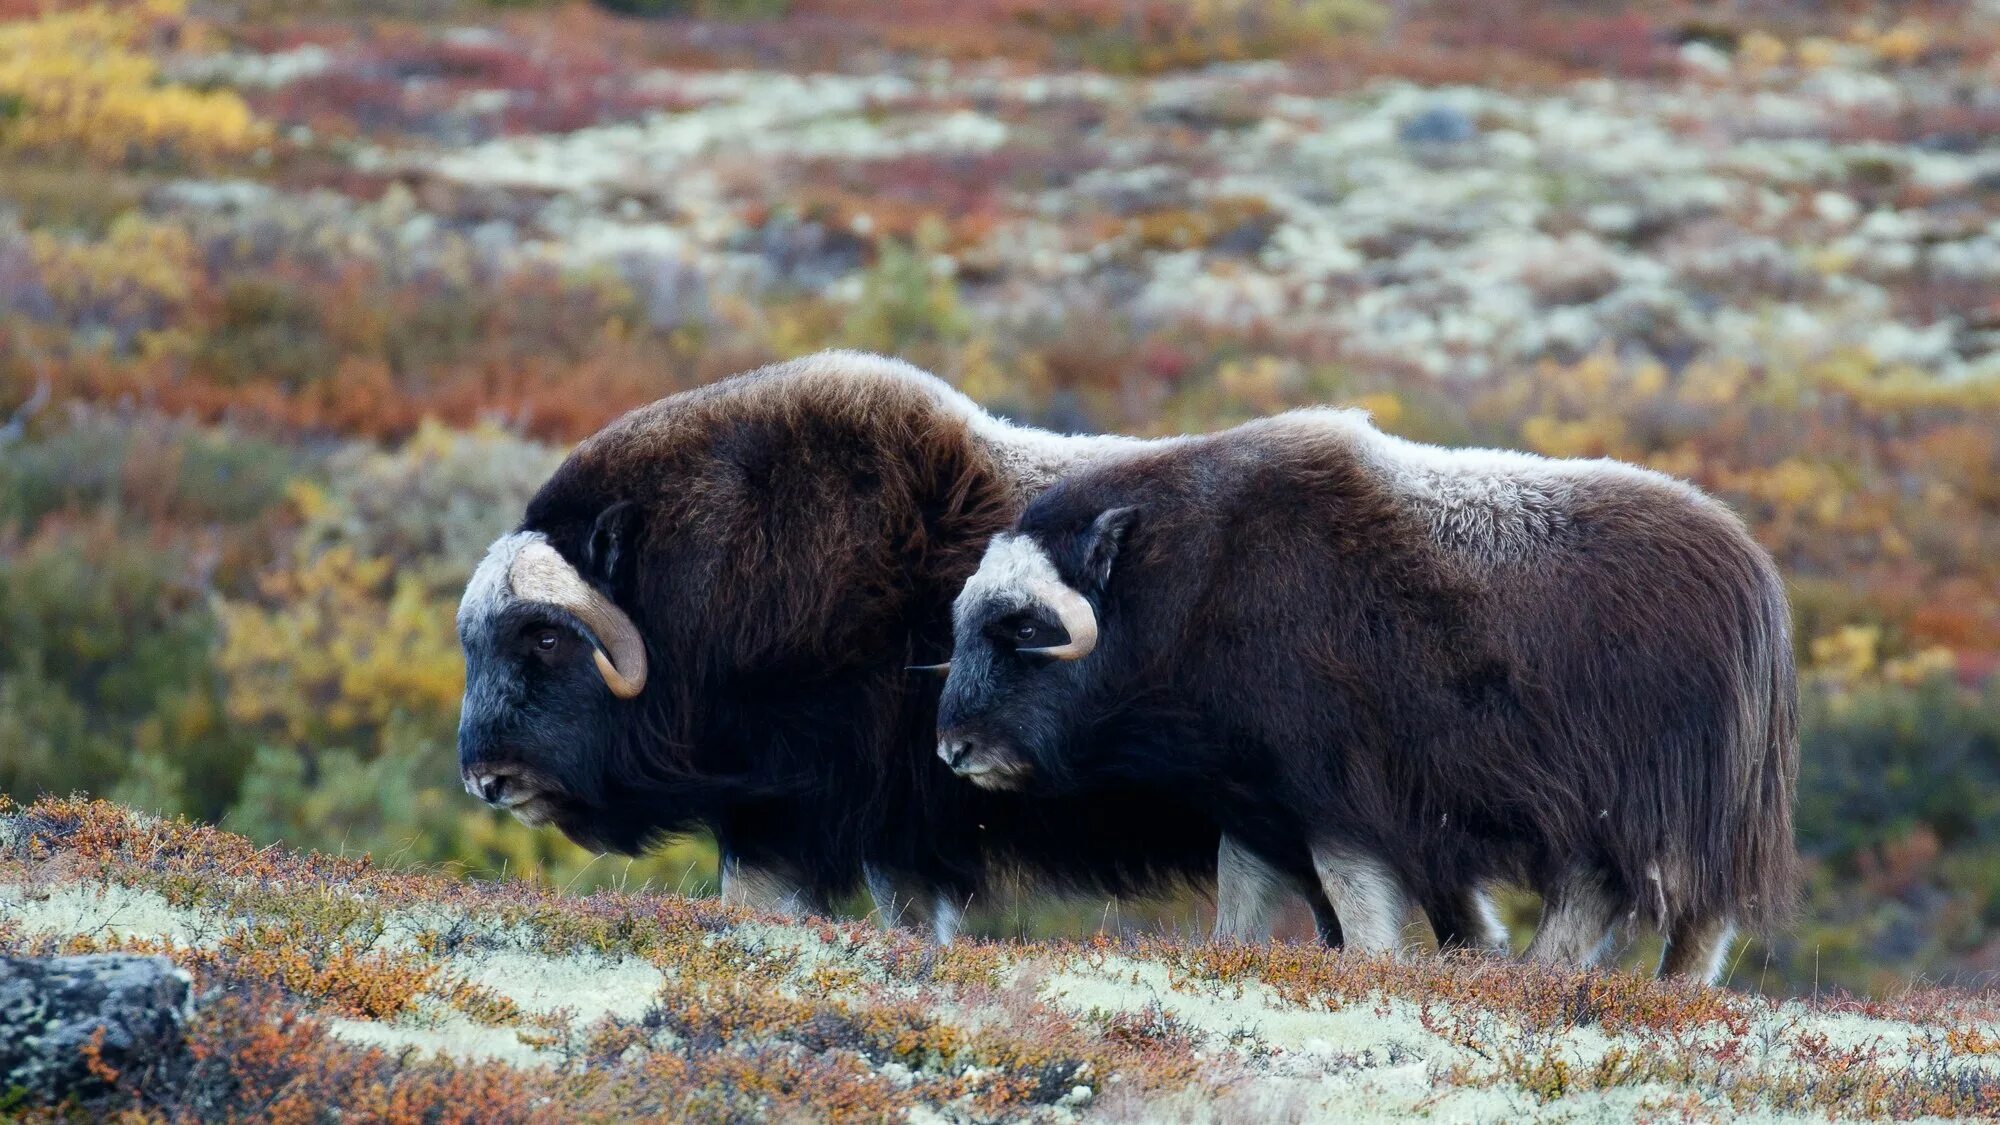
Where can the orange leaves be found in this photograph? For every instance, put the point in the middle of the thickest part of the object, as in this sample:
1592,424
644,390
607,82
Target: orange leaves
1196,228
375,985
260,1058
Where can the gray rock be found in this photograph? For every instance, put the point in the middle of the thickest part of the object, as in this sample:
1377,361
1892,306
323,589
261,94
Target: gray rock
52,1008
1438,125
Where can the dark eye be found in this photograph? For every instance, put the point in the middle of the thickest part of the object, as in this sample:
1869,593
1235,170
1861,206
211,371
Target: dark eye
547,640
1026,632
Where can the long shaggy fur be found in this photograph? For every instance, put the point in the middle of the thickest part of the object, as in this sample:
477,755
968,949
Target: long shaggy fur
1484,666
801,531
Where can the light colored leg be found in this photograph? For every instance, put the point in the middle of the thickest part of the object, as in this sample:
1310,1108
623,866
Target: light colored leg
900,903
1576,922
1367,897
764,890
1246,893
1695,949
946,914
1469,920
889,907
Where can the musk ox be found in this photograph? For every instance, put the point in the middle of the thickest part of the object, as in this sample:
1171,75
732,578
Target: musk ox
707,619
1429,668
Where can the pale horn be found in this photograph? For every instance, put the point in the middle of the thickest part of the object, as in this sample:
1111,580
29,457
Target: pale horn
1077,618
540,574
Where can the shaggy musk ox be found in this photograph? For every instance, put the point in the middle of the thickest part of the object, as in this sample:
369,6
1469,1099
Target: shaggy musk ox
707,619
1430,668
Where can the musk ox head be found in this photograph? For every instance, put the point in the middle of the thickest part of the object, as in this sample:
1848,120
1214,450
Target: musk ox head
705,614
550,662
1024,629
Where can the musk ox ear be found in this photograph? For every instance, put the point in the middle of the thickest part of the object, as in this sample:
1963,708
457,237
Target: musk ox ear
608,551
1103,541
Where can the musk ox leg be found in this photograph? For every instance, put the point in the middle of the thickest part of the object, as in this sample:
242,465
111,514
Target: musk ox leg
765,890
1246,893
892,907
946,914
1468,919
1695,949
1366,896
901,902
1577,915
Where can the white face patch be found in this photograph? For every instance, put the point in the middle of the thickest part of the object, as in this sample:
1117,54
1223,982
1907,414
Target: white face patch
1014,574
489,591
523,567
487,594
1018,573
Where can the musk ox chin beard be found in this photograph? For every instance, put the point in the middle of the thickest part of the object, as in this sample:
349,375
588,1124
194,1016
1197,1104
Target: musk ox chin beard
589,828
1002,777
535,799
625,813
599,827
536,811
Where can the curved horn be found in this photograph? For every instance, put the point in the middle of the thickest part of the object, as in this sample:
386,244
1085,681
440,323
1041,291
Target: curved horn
1078,620
540,574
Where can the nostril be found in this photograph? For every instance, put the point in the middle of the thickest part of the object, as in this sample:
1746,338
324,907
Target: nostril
954,751
488,787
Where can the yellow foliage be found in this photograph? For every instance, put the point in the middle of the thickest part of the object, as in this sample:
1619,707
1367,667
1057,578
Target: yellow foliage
1189,228
1848,655
74,81
1919,667
1831,261
1593,377
1287,17
1262,385
336,659
1902,44
977,370
1650,378
1817,51
1904,387
309,500
138,267
1384,407
1683,461
1895,544
1759,51
1555,437
1851,657
1793,483
1713,384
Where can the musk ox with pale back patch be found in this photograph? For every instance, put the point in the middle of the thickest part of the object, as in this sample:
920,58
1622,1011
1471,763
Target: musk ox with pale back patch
1429,668
706,620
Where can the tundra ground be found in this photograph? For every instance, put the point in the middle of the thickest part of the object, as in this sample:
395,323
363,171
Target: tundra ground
331,987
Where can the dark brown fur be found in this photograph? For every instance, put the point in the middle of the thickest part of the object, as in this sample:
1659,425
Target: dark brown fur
800,533
1298,640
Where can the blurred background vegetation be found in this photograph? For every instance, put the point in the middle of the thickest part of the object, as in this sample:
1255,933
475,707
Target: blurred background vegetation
272,374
